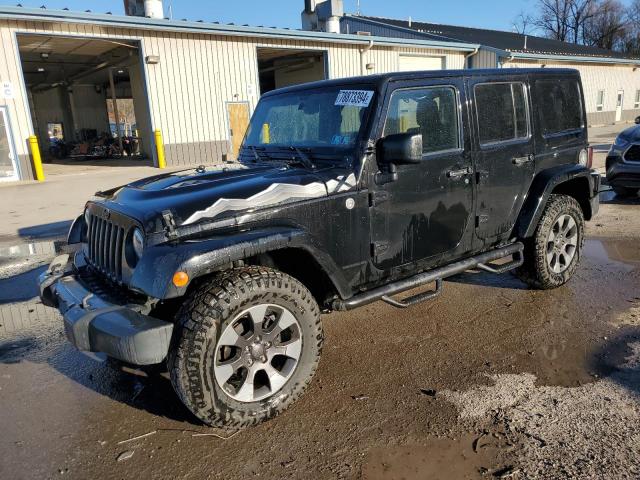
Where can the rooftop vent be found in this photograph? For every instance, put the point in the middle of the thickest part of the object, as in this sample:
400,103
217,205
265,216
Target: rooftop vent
144,8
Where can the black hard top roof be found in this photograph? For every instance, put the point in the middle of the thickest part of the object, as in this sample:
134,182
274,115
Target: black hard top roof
378,81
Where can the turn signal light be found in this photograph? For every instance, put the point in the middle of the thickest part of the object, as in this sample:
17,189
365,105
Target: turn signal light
590,158
180,279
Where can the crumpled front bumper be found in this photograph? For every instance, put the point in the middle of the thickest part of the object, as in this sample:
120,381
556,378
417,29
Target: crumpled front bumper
94,324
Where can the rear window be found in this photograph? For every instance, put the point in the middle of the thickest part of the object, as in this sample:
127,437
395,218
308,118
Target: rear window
560,105
502,112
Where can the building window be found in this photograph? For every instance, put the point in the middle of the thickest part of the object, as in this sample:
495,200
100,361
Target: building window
502,112
600,101
636,104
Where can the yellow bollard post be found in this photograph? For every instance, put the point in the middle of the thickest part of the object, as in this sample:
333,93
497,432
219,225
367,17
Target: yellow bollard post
160,149
266,133
37,159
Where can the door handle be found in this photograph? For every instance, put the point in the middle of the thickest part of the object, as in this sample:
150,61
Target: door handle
458,173
522,160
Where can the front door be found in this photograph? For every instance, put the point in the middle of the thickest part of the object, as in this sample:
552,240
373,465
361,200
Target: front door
8,168
424,215
619,104
238,123
504,160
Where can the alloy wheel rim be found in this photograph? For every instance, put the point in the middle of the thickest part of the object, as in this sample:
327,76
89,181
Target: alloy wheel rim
562,243
258,352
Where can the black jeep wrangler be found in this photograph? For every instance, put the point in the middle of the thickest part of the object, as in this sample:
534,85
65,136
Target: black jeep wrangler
346,192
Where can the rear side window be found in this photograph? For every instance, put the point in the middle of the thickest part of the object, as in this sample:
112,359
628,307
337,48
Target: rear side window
560,105
432,112
502,112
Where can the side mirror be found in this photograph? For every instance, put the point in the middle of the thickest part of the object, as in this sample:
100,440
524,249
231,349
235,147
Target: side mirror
400,149
637,120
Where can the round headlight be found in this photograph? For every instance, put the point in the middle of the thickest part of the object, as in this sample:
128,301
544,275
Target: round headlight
138,242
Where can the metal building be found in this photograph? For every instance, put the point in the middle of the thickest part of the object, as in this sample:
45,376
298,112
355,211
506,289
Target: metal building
197,83
611,80
99,85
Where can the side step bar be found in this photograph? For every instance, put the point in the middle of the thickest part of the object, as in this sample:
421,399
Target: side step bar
482,261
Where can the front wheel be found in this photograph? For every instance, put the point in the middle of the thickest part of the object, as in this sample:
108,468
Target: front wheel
245,347
552,255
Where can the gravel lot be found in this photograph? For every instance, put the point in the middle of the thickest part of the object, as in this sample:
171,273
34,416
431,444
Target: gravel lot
490,380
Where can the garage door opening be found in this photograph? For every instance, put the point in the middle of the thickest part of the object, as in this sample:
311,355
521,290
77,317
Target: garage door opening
282,67
87,102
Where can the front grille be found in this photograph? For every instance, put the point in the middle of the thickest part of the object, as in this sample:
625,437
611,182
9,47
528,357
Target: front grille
632,154
105,245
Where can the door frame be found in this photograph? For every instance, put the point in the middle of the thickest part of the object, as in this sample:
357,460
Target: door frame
4,111
465,151
619,104
228,119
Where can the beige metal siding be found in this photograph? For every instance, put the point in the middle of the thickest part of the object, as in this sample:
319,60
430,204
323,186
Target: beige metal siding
607,77
484,59
197,76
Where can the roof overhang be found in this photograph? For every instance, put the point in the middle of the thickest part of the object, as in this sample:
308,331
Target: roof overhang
570,58
152,24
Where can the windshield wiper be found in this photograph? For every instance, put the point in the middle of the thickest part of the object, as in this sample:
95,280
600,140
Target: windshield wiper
303,158
256,155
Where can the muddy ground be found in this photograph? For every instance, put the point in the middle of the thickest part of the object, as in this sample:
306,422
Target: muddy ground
491,380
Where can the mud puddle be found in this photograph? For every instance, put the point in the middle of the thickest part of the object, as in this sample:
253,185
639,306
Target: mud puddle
377,405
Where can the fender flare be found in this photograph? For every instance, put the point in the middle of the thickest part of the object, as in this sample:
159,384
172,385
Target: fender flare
541,188
154,273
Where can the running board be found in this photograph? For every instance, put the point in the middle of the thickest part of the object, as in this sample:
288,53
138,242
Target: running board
419,298
482,261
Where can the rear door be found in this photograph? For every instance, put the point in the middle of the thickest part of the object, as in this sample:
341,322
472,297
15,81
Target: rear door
505,164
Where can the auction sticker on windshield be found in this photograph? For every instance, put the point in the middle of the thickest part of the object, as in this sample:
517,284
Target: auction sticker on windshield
354,98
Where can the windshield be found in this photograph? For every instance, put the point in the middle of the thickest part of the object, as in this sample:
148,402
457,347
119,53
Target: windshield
328,117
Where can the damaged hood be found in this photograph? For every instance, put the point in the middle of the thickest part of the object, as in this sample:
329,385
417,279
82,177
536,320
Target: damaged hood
213,193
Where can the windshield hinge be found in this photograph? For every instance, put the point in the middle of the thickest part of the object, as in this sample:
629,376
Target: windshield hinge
169,225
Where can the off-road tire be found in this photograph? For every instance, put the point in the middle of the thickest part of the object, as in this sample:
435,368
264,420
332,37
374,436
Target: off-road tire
625,192
535,270
199,323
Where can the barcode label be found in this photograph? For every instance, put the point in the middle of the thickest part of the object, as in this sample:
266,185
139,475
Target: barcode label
354,98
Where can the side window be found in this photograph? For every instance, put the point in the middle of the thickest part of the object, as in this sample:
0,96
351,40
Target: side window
560,105
432,112
502,112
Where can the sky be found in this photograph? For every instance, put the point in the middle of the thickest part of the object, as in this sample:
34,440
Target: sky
495,14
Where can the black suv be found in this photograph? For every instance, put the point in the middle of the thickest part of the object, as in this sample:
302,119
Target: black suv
623,162
346,192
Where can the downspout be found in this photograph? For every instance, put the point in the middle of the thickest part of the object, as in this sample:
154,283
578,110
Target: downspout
469,55
506,60
363,52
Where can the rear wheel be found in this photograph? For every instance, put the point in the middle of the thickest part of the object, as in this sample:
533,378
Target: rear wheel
625,191
245,347
552,255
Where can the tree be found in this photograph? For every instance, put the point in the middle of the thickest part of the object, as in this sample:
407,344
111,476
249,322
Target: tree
608,28
553,18
524,23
